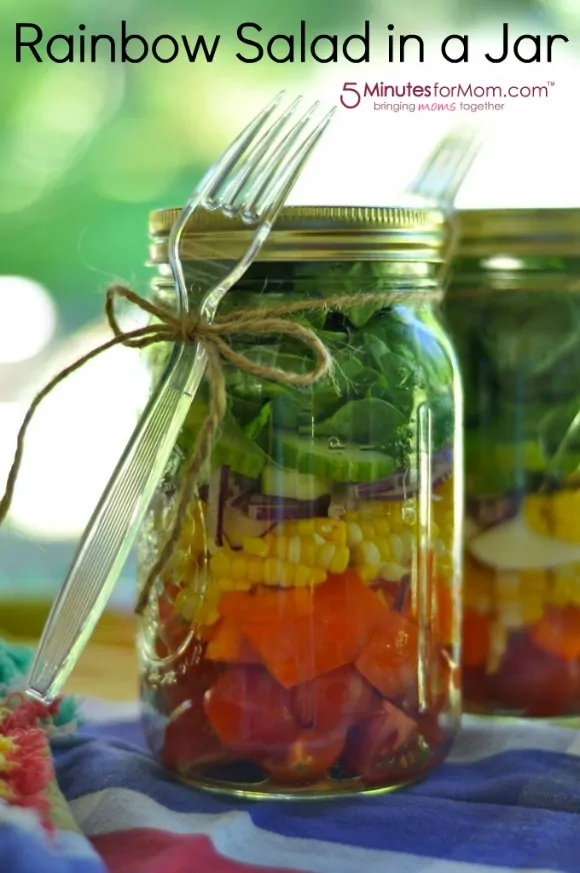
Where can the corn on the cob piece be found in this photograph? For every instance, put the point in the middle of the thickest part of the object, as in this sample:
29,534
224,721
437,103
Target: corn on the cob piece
329,529
243,569
378,549
198,603
191,545
311,550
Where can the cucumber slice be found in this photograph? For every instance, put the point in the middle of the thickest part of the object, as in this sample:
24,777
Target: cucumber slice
346,463
278,482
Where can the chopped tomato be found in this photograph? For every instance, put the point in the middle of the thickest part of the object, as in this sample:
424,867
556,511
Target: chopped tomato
474,685
429,728
558,633
250,712
387,592
190,741
534,683
345,614
165,601
186,679
172,636
476,633
372,747
335,699
445,622
307,759
389,660
228,643
266,606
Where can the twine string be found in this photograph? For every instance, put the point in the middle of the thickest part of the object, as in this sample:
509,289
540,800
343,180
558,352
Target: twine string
214,337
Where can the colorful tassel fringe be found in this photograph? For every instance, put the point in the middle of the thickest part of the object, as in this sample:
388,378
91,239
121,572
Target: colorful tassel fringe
26,768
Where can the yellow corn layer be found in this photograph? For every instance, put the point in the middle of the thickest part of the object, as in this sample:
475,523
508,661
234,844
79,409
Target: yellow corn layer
311,550
329,529
191,545
198,607
241,570
555,515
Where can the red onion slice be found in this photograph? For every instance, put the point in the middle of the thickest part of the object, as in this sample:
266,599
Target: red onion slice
263,508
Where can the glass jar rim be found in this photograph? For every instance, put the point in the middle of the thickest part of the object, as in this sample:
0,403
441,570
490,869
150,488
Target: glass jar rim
317,233
517,233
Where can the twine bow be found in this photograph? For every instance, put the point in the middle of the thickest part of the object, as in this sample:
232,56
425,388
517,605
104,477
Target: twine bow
214,337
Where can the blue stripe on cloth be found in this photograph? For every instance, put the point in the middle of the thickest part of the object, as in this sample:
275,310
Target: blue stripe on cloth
25,851
513,809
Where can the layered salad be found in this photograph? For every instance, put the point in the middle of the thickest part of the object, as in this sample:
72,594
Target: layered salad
304,634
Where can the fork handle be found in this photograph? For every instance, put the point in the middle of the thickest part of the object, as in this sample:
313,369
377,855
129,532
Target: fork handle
113,527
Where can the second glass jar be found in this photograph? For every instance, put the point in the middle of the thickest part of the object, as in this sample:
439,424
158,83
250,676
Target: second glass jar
514,312
304,639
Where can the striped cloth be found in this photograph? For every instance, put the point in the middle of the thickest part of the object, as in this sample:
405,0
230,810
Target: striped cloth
507,799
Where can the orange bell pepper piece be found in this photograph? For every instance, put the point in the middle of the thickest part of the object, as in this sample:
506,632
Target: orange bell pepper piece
475,639
297,648
265,606
389,660
558,633
228,643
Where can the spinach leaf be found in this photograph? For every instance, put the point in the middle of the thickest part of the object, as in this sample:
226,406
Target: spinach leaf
370,422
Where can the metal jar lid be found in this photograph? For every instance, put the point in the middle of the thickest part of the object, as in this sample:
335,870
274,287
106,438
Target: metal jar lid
518,233
316,233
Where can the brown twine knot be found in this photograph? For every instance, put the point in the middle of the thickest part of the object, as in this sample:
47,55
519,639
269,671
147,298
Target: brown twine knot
213,336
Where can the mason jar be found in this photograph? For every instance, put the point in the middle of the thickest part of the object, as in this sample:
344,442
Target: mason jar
513,308
305,636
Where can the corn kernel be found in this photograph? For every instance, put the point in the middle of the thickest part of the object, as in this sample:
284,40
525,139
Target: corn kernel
306,526
325,555
219,565
354,534
309,551
385,549
212,616
317,575
273,571
339,562
279,547
369,553
239,568
302,575
294,550
255,546
367,529
396,547
186,602
392,572
288,575
255,570
366,572
382,527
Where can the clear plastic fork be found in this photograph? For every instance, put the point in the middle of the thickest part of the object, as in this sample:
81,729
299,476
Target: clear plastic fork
442,174
250,184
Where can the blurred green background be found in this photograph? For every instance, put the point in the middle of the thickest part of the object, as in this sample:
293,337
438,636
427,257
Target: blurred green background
86,151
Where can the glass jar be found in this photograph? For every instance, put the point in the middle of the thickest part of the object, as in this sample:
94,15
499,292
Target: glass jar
514,312
304,640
